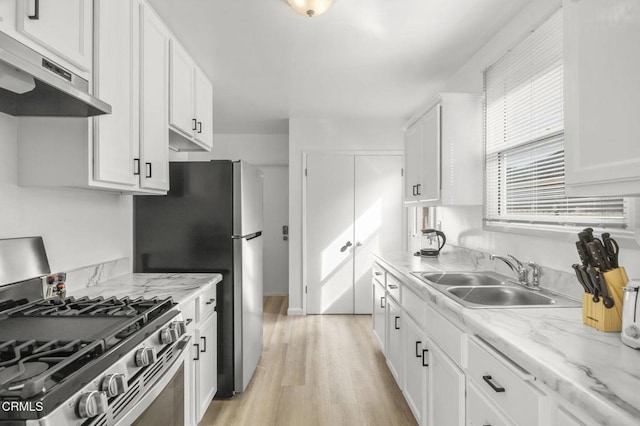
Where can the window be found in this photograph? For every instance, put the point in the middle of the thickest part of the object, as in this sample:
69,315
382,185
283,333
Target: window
524,140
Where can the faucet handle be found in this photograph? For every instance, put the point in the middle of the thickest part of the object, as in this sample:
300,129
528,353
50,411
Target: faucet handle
520,265
535,274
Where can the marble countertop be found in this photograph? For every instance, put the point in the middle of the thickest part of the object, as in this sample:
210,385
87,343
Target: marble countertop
591,369
181,286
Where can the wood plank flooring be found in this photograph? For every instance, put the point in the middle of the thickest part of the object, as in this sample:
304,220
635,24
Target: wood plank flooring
315,370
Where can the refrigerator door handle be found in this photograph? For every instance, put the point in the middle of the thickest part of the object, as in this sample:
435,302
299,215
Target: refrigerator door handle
248,237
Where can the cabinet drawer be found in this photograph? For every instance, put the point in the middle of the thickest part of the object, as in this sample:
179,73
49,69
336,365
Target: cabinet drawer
414,306
207,304
393,286
480,410
507,385
189,314
378,273
446,335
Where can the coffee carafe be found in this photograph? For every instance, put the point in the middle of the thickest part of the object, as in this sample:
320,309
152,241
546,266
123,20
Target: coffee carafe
431,242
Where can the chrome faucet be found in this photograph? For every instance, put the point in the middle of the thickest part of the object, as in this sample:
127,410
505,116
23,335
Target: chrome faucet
516,266
535,275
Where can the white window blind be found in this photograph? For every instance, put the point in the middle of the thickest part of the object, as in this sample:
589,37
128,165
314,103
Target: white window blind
524,139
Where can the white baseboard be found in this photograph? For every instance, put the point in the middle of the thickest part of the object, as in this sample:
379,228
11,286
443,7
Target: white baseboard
294,312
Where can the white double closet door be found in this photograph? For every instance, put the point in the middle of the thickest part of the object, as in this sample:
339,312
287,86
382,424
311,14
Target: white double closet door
353,209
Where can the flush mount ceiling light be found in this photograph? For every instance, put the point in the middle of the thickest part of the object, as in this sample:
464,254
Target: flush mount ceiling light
310,8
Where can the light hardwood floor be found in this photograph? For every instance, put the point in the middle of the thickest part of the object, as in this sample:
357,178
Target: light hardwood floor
315,370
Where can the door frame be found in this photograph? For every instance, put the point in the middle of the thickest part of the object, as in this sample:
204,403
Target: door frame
305,154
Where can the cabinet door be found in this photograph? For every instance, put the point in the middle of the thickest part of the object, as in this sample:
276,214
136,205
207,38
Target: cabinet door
378,317
446,390
602,97
394,349
330,240
114,139
412,161
204,109
154,98
207,370
62,26
181,88
415,356
481,411
430,183
377,220
191,382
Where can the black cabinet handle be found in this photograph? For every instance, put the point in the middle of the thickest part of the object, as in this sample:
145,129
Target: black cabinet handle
418,343
377,273
136,166
393,286
495,387
425,352
189,321
418,188
382,299
195,124
204,343
199,126
397,327
36,11
148,170
413,190
197,358
210,301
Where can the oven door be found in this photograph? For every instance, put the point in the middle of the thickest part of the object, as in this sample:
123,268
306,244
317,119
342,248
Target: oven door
164,403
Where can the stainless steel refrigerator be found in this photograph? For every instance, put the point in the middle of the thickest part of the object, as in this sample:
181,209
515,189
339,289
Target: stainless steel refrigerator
211,221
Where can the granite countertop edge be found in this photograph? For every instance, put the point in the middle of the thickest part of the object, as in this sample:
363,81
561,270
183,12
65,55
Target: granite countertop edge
182,287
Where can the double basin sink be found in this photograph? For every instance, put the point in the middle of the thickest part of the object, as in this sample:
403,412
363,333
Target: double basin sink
490,290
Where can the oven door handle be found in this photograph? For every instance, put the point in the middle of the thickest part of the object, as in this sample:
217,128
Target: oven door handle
135,411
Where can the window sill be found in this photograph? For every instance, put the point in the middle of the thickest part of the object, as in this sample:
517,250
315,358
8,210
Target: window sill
626,238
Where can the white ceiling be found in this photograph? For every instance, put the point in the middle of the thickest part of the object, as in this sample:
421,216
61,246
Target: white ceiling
363,58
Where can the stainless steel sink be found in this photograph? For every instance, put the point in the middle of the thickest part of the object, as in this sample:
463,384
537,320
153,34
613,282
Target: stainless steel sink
463,278
487,289
504,295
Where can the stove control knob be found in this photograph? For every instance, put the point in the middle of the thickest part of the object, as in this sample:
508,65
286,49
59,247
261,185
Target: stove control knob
180,327
114,385
168,335
92,404
632,332
145,356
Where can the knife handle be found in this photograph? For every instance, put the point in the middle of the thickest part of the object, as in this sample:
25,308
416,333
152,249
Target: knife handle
583,253
599,255
612,249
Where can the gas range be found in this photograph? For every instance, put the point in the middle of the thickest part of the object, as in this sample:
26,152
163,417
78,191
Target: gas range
84,361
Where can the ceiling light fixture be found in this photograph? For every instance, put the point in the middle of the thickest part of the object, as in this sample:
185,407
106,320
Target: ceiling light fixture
310,8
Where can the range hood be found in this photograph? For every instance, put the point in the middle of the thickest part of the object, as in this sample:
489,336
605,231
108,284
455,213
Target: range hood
32,85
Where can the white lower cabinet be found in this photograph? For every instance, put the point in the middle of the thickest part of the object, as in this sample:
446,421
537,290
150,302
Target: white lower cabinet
378,316
446,390
481,411
206,364
394,335
416,362
201,369
449,377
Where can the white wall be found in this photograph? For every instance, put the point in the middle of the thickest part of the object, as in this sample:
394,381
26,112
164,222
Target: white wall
260,150
463,225
308,135
79,227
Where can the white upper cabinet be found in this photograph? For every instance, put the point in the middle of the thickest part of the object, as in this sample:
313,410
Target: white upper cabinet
602,97
181,91
64,27
115,135
443,152
191,103
204,109
154,101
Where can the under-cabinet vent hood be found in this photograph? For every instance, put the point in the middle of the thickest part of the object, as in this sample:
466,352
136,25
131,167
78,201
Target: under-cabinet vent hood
32,85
